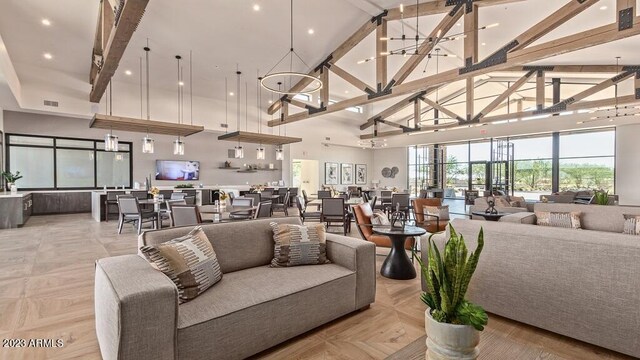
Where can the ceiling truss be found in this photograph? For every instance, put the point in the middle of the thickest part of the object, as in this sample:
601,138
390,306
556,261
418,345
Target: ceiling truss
513,56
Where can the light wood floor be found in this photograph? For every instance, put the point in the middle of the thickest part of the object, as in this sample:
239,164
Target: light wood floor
46,291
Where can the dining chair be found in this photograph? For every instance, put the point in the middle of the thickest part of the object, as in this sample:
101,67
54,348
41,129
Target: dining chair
333,211
306,198
184,215
189,192
178,195
293,192
323,194
265,195
282,206
242,202
256,198
281,193
166,214
111,200
372,202
190,200
130,212
263,210
365,197
304,213
166,194
402,202
140,194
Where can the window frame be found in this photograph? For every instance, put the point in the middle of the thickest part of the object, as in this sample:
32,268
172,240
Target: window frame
9,145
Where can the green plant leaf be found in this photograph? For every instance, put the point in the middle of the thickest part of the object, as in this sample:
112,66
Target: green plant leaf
468,313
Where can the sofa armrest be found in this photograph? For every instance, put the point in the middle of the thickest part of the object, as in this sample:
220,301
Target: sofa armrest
359,256
136,310
520,218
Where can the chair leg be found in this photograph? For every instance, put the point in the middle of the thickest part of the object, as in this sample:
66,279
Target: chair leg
120,223
139,225
106,212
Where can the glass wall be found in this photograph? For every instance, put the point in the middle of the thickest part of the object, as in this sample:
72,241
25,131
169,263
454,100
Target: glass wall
586,161
65,163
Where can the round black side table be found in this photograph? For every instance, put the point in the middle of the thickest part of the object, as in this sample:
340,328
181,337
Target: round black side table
397,265
488,216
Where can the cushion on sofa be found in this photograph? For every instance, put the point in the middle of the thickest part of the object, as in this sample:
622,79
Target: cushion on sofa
189,261
501,201
631,224
517,201
520,218
559,219
442,212
299,245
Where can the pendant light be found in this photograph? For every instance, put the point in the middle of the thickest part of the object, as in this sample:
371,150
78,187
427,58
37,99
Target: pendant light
110,140
315,82
239,151
147,142
178,144
279,151
260,153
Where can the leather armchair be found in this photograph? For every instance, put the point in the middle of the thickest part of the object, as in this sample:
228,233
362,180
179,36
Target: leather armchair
432,224
363,215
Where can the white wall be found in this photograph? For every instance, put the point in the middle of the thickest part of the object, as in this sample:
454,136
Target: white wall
628,164
203,147
391,157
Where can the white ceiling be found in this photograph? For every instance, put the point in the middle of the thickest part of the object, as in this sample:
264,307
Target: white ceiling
223,33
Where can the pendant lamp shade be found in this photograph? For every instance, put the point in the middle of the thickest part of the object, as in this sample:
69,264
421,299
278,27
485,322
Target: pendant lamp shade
147,145
178,147
110,142
279,153
239,152
260,154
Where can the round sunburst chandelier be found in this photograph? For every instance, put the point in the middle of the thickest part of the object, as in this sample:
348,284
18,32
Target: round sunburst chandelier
287,77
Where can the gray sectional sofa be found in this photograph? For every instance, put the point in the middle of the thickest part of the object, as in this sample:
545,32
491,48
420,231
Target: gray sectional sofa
252,308
583,284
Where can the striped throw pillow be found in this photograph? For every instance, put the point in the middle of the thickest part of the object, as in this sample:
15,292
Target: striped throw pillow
189,261
631,224
299,245
570,220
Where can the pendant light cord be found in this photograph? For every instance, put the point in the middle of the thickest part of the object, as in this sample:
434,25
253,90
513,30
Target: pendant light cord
226,106
110,99
178,68
191,85
141,88
146,50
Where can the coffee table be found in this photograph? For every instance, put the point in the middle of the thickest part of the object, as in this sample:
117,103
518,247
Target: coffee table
397,265
488,216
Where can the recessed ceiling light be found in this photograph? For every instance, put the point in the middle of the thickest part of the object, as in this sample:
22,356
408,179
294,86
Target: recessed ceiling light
604,7
256,7
46,22
270,102
48,56
231,93
181,83
483,44
458,24
310,31
346,91
128,72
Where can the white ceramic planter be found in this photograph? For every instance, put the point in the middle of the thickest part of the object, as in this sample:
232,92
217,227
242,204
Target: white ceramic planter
448,341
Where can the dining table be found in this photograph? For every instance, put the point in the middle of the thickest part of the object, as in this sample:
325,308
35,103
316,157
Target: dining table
224,211
350,202
157,208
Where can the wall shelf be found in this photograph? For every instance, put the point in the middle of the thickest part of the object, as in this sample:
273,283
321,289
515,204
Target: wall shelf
228,168
247,171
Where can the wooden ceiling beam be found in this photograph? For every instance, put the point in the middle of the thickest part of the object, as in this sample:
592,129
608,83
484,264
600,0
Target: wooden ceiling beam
381,61
502,97
437,7
581,40
540,90
427,46
361,85
470,53
120,34
353,40
443,109
391,110
569,68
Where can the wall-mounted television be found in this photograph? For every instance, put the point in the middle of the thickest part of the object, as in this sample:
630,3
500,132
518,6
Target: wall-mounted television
177,170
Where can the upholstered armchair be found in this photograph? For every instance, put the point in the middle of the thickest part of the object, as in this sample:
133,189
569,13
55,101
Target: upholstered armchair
363,214
431,223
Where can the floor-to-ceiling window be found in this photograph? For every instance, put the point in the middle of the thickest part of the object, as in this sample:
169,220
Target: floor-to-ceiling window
532,166
587,160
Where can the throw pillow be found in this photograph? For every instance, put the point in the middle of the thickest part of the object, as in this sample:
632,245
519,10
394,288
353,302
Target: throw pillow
631,224
189,261
299,245
570,220
518,201
379,218
501,201
440,211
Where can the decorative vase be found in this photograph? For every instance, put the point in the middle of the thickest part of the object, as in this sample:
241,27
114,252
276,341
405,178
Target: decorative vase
9,185
449,341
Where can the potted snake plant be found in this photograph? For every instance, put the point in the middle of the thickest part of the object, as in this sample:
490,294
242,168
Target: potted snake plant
452,323
10,178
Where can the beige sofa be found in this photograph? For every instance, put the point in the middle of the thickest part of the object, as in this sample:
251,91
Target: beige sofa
252,308
583,284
